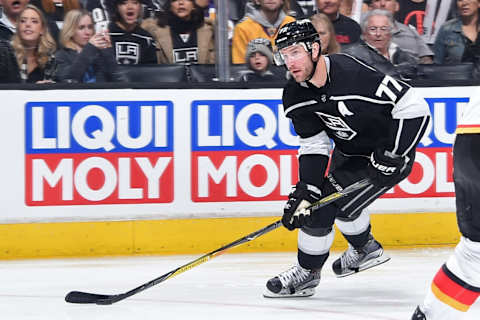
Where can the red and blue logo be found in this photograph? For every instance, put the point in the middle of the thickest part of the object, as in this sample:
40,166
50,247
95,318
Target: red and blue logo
98,152
242,150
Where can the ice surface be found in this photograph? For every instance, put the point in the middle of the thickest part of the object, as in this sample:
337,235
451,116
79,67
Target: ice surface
228,287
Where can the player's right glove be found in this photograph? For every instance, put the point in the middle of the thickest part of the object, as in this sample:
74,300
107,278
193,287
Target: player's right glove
385,170
295,212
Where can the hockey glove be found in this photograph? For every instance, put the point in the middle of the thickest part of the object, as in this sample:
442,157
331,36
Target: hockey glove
295,214
385,170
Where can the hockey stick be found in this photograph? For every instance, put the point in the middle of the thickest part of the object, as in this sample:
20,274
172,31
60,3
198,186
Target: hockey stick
104,299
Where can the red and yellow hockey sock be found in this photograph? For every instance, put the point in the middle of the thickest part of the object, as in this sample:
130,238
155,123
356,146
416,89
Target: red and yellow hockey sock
453,291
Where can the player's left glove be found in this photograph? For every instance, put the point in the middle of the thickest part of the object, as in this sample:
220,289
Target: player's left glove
295,212
384,169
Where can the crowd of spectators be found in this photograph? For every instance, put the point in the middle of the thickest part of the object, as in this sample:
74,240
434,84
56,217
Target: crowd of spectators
182,33
84,41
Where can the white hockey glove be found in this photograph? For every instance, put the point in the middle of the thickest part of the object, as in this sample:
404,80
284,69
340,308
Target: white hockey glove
295,214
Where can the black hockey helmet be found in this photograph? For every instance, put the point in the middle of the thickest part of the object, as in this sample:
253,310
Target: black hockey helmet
296,32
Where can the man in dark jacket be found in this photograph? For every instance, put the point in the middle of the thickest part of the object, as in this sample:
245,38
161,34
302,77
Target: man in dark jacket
377,49
8,19
403,35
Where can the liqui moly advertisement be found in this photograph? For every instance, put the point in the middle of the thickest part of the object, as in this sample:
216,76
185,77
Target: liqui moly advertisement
98,152
242,150
155,153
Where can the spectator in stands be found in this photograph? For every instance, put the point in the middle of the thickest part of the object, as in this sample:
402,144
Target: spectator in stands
152,7
403,36
377,49
85,56
301,9
347,30
349,8
412,13
325,30
259,59
55,10
95,5
236,9
457,40
182,33
263,21
8,20
298,9
132,44
28,57
149,7
205,6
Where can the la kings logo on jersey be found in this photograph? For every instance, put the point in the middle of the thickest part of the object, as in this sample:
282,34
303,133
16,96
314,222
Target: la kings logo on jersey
127,52
336,124
184,55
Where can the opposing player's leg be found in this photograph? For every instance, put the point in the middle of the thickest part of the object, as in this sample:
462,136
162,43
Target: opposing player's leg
456,286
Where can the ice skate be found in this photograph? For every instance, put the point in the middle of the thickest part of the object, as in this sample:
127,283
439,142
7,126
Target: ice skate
353,260
295,282
418,315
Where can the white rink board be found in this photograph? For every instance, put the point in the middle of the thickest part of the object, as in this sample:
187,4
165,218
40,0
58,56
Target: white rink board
13,123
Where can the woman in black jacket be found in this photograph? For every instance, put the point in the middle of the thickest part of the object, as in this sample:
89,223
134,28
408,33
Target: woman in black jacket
28,56
85,56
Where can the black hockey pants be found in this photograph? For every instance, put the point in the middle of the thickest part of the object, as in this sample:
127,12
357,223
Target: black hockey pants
345,170
466,176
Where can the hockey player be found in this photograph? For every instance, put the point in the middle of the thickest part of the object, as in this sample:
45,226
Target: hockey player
456,285
375,123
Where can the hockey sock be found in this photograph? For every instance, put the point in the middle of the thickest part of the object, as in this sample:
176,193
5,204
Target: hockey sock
311,262
453,291
358,240
314,246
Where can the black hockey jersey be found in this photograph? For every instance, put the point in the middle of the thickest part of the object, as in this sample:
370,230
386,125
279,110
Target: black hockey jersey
136,47
359,108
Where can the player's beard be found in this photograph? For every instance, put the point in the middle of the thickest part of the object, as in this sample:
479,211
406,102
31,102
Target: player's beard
305,74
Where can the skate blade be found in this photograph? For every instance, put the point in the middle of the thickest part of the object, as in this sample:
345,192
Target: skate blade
308,292
370,264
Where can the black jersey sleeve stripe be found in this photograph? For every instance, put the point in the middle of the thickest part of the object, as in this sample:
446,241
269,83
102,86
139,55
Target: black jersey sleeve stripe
359,62
420,132
408,134
299,105
397,137
358,97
